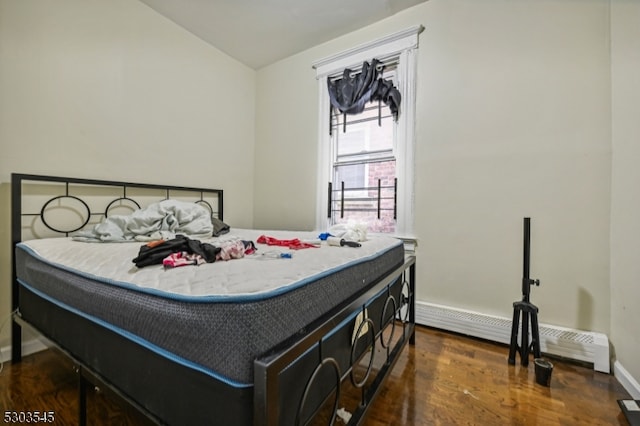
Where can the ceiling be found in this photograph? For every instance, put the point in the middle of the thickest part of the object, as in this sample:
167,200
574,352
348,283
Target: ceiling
261,32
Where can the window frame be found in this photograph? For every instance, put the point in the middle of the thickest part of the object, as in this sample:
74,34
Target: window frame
403,48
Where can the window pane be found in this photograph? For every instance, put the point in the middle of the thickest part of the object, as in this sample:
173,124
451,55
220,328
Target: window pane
364,134
352,141
353,177
369,189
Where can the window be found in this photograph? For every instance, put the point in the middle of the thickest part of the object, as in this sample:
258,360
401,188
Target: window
363,176
366,163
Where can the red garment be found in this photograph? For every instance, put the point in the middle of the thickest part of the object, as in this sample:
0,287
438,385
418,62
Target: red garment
294,244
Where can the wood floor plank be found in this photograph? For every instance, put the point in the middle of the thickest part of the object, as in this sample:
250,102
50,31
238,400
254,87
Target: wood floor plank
445,379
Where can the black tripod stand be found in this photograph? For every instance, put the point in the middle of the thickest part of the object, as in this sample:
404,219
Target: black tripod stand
528,310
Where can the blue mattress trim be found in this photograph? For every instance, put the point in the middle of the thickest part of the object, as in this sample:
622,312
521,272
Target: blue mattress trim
211,298
142,342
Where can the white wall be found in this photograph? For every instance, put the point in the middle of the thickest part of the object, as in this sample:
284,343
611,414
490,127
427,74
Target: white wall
513,120
625,198
514,123
110,89
286,145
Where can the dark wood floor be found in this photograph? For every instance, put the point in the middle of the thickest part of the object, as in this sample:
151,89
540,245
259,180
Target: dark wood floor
446,379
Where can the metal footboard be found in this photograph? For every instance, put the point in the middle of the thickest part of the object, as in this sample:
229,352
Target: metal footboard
291,384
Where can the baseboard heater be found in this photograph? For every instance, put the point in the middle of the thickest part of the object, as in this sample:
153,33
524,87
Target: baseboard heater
585,346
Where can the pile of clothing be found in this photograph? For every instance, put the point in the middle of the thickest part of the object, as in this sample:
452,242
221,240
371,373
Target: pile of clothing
183,251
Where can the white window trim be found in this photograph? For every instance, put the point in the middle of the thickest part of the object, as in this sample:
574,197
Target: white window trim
403,46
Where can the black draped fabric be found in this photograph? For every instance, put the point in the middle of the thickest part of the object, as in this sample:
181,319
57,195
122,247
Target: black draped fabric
350,94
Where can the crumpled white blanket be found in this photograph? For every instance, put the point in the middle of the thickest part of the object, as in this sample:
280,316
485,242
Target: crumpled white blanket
159,221
349,231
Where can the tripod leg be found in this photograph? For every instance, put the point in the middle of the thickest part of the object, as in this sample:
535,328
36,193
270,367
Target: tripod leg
524,344
535,335
514,336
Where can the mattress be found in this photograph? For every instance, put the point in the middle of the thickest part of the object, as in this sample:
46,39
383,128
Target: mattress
218,317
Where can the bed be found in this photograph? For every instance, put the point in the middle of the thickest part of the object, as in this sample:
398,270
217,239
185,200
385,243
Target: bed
268,338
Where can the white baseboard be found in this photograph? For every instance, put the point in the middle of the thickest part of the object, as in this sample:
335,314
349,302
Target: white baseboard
579,345
626,380
28,347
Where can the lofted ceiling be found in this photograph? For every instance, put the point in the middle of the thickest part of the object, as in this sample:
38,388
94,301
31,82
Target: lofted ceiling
261,32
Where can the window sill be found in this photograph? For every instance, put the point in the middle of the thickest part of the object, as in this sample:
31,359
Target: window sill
410,243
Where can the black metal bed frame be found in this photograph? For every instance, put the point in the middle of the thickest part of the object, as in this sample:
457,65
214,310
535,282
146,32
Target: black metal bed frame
314,356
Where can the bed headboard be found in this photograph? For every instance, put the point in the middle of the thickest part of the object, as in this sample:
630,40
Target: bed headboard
50,206
53,206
